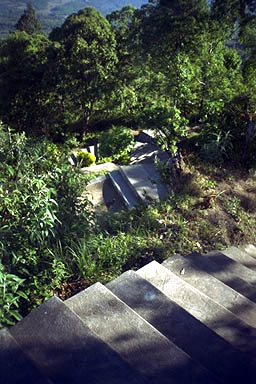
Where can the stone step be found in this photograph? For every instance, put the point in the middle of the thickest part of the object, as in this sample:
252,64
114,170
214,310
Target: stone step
213,315
241,257
141,345
193,273
125,191
250,249
226,263
67,351
233,274
189,334
141,182
154,176
15,366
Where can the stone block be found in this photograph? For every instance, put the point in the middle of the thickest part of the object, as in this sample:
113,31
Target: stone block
228,273
127,194
140,344
193,273
15,366
241,257
213,315
197,340
67,351
250,249
140,181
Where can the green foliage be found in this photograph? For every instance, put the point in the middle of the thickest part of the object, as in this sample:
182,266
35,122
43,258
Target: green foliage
116,142
39,207
172,126
233,206
84,56
10,295
85,159
166,67
22,67
217,147
28,22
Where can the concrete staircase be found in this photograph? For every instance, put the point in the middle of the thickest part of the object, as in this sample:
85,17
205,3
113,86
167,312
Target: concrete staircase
138,183
190,320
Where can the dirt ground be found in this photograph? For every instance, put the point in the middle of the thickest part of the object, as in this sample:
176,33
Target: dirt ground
233,207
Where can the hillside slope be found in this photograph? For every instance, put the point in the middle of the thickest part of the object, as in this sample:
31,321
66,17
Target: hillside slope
52,13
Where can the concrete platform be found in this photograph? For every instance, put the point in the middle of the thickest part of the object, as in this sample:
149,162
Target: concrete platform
140,344
221,293
193,337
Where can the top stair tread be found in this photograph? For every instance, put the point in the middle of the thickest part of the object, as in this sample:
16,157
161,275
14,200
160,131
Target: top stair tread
250,249
143,185
213,315
15,366
226,263
192,336
66,350
231,273
240,256
143,346
155,177
194,273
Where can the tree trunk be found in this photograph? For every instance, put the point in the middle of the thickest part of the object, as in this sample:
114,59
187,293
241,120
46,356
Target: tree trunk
251,130
85,123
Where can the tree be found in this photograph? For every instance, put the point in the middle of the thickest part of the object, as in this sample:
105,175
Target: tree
220,78
28,22
83,59
22,67
172,26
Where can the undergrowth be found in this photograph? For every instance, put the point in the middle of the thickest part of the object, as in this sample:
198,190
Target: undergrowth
50,243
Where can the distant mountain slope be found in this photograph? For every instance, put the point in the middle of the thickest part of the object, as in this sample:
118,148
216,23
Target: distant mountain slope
52,13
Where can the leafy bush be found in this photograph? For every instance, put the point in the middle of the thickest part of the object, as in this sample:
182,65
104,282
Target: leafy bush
124,159
39,207
103,160
10,295
85,159
116,142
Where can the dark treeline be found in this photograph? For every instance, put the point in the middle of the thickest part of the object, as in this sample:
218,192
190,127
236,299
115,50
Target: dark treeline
167,66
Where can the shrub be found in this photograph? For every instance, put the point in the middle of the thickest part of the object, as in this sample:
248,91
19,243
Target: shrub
116,142
124,159
39,208
85,159
10,295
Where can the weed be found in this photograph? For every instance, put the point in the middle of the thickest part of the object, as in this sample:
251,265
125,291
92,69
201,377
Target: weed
233,206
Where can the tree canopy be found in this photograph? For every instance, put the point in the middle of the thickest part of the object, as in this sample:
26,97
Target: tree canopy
28,22
84,58
166,65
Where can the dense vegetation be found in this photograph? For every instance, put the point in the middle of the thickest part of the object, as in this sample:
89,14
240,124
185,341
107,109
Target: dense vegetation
183,69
